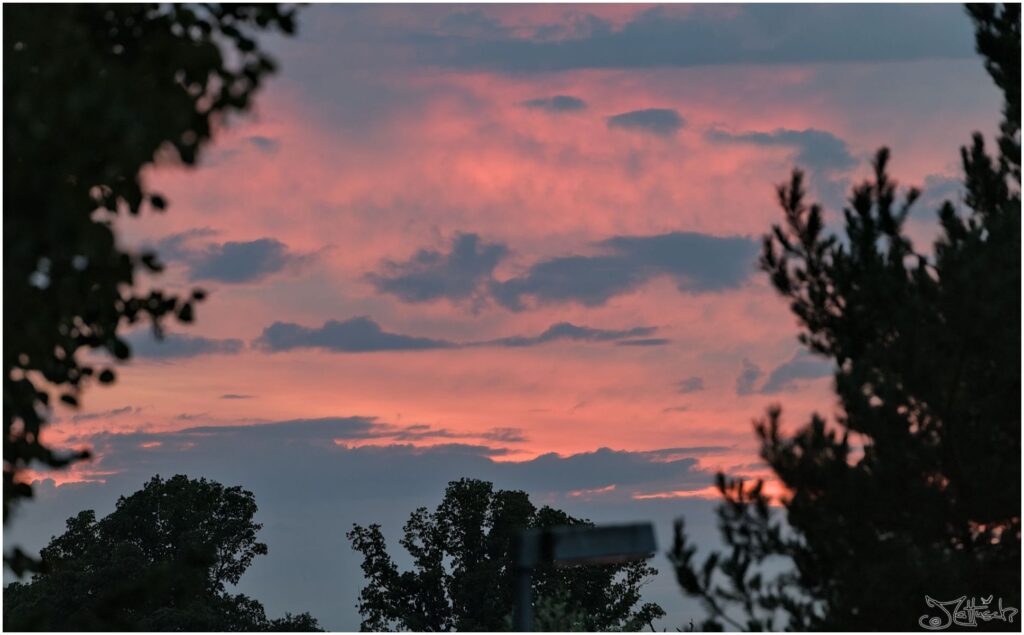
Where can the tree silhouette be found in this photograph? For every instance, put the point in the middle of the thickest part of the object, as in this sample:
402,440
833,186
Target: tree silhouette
915,489
93,94
463,571
160,561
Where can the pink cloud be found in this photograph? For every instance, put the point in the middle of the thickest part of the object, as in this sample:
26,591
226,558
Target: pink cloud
464,155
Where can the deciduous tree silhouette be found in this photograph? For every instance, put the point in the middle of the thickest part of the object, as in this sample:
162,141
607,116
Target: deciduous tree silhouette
915,489
463,571
93,94
160,561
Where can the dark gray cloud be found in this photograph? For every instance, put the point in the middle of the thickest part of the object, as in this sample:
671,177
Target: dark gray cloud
232,395
567,331
178,345
825,157
363,100
319,431
556,104
243,261
936,190
747,378
630,471
180,246
264,144
190,416
422,432
229,262
363,335
473,23
749,34
696,262
663,122
815,149
803,365
648,341
323,446
505,435
431,275
297,462
106,414
222,155
356,335
690,384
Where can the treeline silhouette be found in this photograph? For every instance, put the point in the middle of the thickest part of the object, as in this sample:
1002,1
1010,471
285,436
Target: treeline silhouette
160,561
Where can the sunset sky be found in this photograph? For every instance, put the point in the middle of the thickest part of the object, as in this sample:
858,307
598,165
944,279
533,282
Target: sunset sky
509,242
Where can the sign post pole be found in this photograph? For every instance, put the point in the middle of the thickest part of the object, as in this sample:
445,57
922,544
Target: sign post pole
569,546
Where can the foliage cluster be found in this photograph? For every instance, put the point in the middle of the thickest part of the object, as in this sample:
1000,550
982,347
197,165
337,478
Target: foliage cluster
463,577
161,561
93,94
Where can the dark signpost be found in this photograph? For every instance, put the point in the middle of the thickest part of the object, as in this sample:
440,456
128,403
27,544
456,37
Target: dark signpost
568,546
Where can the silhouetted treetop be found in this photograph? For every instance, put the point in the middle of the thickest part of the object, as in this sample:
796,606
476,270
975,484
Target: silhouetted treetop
463,575
915,488
159,562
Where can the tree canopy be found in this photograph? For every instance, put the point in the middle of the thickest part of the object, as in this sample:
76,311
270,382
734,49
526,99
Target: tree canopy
914,490
162,560
94,93
462,578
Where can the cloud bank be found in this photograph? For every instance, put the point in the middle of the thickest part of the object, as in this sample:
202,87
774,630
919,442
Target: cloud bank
661,122
179,346
457,275
556,104
815,149
231,262
665,36
695,262
363,335
803,365
356,335
748,376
